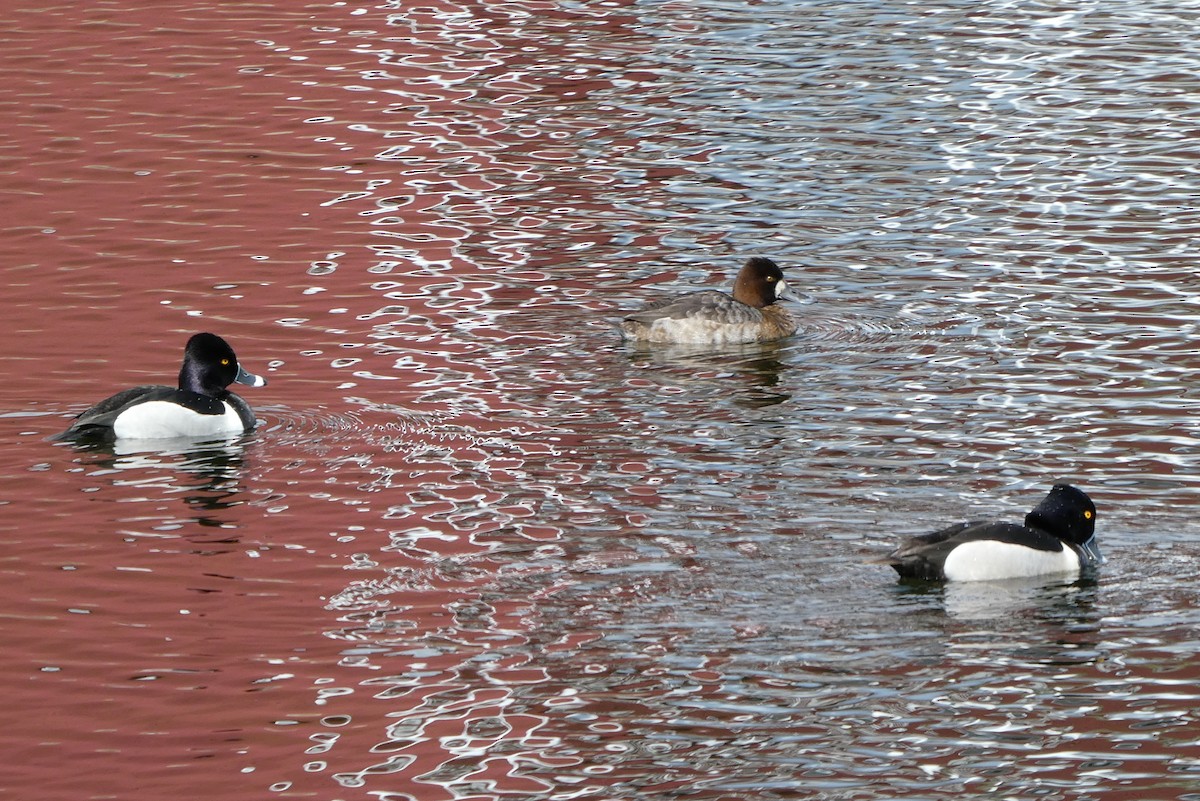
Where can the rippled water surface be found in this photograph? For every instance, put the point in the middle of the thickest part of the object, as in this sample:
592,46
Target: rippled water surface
478,548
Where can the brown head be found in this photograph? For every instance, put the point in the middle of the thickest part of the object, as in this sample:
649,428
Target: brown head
760,283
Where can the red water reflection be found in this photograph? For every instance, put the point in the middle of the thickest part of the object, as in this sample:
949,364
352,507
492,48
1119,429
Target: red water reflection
166,174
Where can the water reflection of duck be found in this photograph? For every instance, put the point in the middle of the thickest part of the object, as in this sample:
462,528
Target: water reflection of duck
201,406
711,317
1058,537
749,373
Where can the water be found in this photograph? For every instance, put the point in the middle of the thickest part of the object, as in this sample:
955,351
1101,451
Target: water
477,547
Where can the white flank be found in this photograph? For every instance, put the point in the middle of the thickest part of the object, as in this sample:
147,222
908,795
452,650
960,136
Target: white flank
989,560
688,331
163,420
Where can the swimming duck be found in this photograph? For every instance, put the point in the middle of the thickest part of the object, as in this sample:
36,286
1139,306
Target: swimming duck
711,317
201,406
1058,537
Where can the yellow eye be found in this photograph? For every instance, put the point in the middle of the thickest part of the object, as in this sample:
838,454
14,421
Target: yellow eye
225,361
1087,515
771,279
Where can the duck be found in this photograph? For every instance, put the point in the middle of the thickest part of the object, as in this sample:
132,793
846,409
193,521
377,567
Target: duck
201,406
1059,536
711,317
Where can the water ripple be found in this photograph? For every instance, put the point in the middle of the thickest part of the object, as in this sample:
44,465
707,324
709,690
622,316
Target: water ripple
480,548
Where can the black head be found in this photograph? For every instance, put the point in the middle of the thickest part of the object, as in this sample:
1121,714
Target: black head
210,365
760,283
1067,513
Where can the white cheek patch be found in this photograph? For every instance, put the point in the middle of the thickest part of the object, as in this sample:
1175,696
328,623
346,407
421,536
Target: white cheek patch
989,560
163,420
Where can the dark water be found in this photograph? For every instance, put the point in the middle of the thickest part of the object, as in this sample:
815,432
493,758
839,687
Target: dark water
478,549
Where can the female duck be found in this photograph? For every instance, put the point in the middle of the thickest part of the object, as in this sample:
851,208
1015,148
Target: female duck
200,407
710,317
1058,537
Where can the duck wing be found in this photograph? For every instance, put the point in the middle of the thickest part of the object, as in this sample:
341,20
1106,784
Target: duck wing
100,417
709,304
